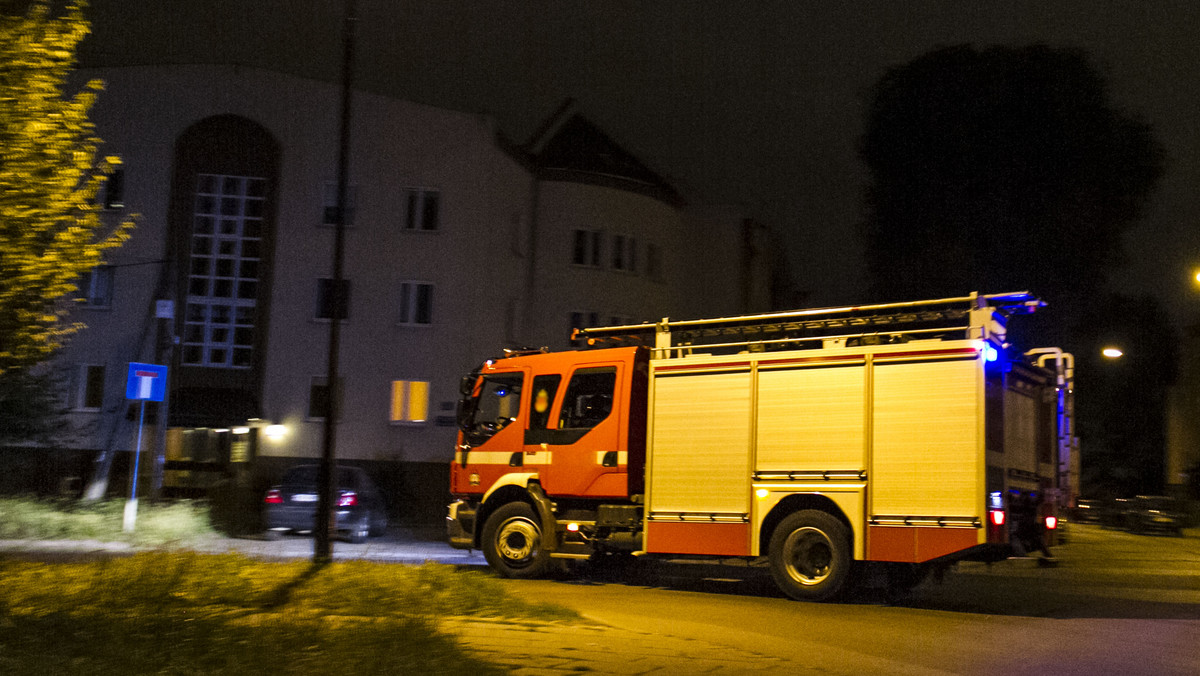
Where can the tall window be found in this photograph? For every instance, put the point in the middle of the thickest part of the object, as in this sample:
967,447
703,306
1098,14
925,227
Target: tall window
653,262
421,209
581,320
410,401
624,253
87,388
586,250
329,204
327,294
95,287
112,194
224,271
318,398
416,303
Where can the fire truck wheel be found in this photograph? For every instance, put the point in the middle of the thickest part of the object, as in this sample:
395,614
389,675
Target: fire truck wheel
810,555
512,542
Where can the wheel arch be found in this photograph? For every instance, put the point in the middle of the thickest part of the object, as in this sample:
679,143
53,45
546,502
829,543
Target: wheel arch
795,503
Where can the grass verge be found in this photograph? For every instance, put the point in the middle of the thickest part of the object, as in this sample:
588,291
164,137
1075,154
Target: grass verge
158,525
187,613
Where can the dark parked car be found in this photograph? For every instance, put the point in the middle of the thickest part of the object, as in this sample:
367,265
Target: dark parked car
1147,513
358,504
1089,511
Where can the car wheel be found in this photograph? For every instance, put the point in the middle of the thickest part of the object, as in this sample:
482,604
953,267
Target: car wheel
360,530
512,542
810,555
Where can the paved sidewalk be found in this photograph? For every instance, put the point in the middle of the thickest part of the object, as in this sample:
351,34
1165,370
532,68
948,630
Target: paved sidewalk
536,649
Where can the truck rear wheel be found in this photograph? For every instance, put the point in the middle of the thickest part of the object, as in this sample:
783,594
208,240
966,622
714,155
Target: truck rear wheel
512,542
810,555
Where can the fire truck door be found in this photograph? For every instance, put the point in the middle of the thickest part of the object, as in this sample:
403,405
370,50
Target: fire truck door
582,437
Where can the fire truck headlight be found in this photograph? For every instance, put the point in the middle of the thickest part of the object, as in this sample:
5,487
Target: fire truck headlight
762,493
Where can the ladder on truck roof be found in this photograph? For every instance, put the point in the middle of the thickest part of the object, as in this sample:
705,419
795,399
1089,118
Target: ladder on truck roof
939,319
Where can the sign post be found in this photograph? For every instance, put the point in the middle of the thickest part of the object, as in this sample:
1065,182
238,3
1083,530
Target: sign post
146,382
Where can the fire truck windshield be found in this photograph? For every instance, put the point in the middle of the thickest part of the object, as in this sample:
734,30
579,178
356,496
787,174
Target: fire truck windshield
497,404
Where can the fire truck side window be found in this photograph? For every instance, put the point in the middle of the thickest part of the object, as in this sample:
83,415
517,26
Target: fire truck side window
589,398
544,389
498,404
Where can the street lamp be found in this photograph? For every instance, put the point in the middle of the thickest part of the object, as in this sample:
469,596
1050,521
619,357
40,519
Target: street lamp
1111,352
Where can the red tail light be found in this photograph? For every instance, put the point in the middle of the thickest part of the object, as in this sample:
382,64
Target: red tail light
273,497
347,499
998,517
1051,522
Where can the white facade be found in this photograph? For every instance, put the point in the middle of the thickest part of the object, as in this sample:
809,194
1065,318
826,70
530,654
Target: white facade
498,256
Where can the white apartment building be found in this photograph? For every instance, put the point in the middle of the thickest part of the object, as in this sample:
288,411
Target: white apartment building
458,244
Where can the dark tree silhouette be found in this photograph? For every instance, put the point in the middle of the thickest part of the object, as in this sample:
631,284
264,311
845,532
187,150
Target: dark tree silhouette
1000,169
1008,169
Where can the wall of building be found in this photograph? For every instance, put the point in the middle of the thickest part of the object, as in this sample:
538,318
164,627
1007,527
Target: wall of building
501,261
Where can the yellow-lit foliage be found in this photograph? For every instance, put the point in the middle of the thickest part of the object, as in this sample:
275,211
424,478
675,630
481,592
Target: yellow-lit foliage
51,228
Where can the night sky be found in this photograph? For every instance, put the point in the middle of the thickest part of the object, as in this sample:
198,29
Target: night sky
749,102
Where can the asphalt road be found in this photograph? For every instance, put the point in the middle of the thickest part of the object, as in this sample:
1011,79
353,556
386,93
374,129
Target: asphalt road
1117,603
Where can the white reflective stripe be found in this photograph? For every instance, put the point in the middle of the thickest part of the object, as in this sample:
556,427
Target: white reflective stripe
622,457
487,457
503,457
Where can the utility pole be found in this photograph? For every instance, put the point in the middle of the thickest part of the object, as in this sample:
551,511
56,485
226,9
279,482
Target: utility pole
323,529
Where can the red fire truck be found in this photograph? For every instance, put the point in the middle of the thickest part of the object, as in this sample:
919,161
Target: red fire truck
890,438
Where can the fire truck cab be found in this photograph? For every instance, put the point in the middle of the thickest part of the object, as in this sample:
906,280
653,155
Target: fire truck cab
899,436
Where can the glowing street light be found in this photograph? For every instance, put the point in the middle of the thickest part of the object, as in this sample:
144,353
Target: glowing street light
1112,352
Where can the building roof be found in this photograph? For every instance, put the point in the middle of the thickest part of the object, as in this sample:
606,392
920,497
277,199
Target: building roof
569,147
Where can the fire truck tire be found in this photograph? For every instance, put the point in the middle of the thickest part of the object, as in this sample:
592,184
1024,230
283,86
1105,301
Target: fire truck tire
512,542
810,555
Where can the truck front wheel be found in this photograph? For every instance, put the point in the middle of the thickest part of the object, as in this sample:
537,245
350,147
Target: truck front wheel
810,555
512,542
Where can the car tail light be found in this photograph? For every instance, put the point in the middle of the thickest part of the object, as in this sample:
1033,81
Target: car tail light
1051,522
347,499
274,497
998,517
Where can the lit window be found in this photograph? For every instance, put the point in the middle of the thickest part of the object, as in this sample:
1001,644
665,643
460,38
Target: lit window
410,401
95,287
586,249
329,204
421,209
416,303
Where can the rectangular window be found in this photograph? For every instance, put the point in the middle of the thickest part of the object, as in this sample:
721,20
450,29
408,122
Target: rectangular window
329,294
224,270
586,250
416,303
580,320
113,190
329,204
95,287
87,394
624,253
318,398
410,401
421,209
653,262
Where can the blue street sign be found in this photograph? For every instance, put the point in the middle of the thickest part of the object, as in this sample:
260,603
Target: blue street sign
147,382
